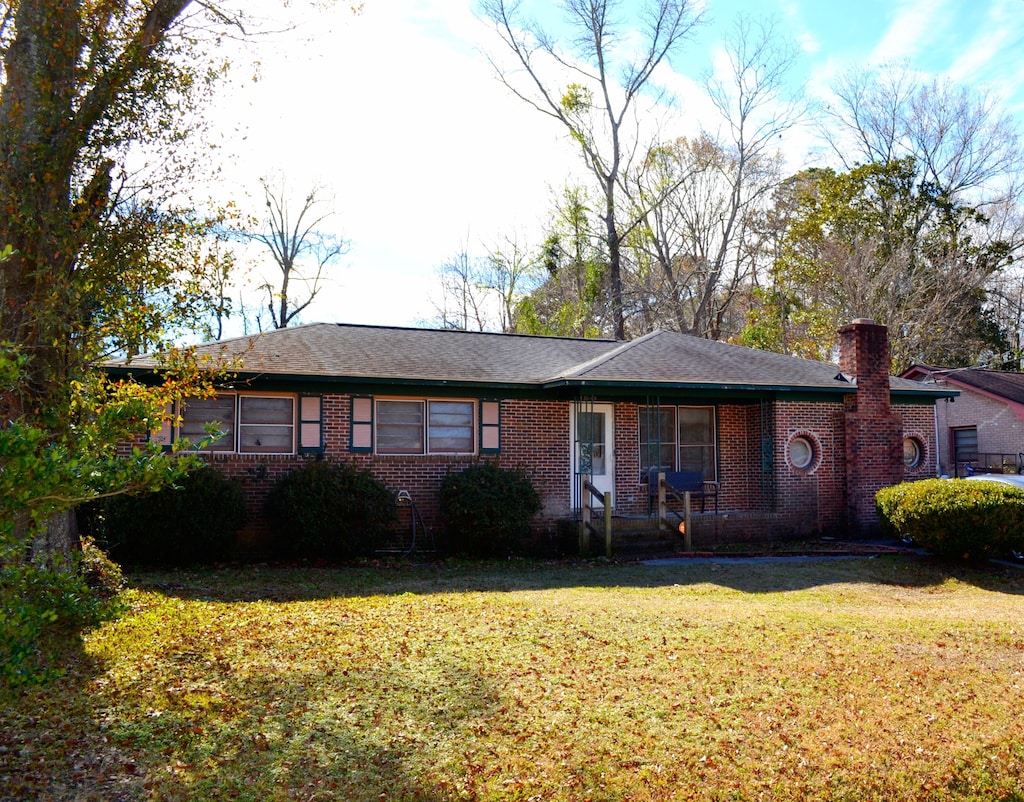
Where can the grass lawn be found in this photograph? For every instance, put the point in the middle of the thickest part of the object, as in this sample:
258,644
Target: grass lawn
891,678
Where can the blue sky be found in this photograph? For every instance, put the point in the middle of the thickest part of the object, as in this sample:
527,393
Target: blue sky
398,114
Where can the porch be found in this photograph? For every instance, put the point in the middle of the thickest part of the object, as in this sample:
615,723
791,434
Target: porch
636,536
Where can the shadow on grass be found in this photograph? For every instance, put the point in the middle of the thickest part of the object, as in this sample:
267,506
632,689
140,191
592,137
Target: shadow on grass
213,733
768,575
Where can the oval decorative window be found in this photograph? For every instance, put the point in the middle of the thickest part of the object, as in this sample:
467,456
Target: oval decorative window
912,452
801,452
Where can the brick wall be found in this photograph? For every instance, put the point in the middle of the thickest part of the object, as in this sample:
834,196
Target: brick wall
874,433
857,448
811,499
1000,431
919,423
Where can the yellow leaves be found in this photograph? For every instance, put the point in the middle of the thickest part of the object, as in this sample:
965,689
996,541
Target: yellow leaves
577,99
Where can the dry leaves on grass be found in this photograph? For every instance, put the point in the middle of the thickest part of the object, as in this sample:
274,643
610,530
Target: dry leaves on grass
855,680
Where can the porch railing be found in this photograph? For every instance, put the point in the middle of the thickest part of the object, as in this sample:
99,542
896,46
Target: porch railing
665,490
588,494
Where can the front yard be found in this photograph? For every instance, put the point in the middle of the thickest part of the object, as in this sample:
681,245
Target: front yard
890,678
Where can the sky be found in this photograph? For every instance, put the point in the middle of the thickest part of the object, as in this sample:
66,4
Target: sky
397,115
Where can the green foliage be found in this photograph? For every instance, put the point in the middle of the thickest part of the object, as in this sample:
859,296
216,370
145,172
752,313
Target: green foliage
955,517
880,241
572,300
40,603
192,522
330,511
487,509
101,574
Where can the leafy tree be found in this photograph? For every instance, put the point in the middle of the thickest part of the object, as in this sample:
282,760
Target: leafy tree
877,242
102,259
299,248
592,90
572,299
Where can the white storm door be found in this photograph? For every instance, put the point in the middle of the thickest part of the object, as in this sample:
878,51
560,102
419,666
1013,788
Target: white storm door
593,437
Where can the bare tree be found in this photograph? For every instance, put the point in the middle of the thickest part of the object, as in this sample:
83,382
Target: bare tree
697,197
463,301
483,292
595,106
958,136
511,273
300,249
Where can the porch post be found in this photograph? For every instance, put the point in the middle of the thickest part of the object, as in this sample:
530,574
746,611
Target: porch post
585,516
687,528
662,511
608,524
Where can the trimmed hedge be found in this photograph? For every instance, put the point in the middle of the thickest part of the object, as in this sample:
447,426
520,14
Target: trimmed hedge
329,511
955,517
192,523
487,510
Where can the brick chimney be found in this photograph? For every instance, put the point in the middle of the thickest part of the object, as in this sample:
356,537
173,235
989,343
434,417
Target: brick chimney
874,433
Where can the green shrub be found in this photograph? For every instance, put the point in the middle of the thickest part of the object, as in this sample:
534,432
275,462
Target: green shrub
954,517
329,511
191,523
39,604
487,510
100,573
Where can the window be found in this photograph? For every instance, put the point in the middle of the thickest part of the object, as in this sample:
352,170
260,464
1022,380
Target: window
219,412
266,424
425,427
965,446
678,439
697,440
657,439
801,452
249,424
912,452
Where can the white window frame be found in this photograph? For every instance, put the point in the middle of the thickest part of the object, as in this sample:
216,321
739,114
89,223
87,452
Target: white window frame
425,439
235,435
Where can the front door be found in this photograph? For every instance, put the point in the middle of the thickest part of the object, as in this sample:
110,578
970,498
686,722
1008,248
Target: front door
593,452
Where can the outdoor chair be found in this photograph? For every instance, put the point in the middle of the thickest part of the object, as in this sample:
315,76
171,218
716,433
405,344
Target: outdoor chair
701,489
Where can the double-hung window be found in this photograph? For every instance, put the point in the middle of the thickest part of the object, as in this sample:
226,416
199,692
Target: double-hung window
249,424
678,439
201,417
428,426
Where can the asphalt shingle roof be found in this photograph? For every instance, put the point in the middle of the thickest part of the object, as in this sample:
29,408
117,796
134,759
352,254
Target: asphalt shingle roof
998,382
331,350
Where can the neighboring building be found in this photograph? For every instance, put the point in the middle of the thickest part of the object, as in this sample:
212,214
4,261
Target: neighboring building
797,447
981,429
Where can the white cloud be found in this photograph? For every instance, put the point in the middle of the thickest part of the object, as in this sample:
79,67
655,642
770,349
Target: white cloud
913,27
985,59
396,112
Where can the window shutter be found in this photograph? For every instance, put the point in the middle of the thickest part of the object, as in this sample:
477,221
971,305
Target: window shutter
490,427
164,434
361,428
311,427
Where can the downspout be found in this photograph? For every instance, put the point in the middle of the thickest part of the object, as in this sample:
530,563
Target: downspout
938,452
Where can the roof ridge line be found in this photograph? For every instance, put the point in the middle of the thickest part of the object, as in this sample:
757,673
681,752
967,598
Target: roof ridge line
597,361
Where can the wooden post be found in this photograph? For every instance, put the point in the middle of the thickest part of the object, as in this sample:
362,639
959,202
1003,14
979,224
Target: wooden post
608,524
662,512
585,517
687,530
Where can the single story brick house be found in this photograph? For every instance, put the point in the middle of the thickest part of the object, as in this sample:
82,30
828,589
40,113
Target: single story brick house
982,429
796,447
